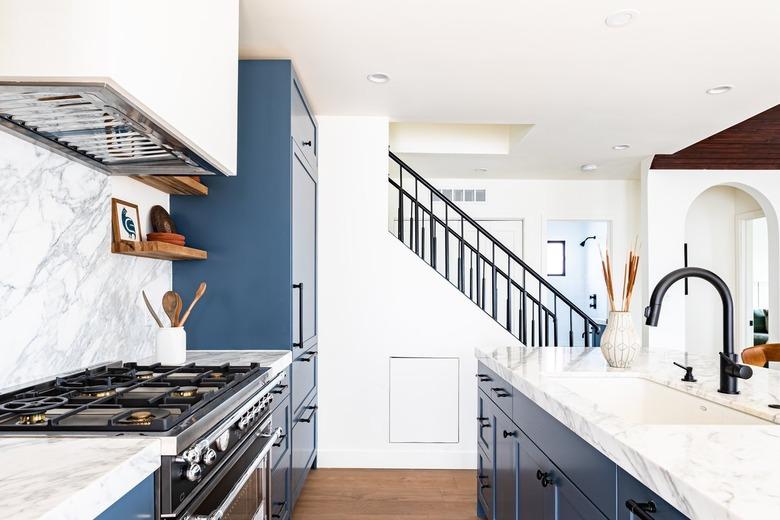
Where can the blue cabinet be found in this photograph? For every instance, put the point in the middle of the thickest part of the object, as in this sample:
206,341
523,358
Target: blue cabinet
137,504
260,229
532,467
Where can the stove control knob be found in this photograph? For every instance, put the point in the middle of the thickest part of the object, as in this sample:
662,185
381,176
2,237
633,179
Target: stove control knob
209,457
192,456
243,422
192,473
223,441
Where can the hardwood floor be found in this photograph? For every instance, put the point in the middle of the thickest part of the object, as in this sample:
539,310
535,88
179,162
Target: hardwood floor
387,494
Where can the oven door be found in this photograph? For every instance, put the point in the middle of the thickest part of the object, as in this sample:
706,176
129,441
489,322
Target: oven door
241,491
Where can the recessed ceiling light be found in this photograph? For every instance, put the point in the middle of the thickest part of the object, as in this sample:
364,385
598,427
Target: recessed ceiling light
621,18
587,168
481,170
378,77
720,89
621,147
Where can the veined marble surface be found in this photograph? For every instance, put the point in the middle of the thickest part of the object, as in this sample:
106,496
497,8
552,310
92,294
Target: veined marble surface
725,472
67,302
71,478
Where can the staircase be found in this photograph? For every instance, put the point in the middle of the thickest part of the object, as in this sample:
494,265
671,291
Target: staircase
483,269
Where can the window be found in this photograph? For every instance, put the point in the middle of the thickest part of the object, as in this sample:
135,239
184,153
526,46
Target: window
556,258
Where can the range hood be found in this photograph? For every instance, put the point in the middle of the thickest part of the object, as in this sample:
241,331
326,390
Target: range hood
98,124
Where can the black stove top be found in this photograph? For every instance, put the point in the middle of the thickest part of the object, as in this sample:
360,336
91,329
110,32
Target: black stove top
123,397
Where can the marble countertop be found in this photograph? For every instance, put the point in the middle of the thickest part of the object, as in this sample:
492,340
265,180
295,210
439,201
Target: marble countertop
66,478
719,472
72,477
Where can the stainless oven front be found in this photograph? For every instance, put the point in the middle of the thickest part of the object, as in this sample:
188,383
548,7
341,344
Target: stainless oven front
242,488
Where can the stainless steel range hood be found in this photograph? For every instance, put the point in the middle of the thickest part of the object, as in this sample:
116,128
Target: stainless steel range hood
100,125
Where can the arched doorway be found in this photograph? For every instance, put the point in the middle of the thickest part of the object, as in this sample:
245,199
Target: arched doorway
726,232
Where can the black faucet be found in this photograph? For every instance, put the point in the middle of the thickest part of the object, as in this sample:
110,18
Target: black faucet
730,370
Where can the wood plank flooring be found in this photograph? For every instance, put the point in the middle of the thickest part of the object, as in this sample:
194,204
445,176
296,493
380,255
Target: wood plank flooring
388,494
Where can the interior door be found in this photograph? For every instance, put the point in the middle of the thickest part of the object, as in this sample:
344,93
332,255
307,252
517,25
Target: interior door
304,253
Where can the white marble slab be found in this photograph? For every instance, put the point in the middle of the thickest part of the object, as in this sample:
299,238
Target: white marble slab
707,472
70,478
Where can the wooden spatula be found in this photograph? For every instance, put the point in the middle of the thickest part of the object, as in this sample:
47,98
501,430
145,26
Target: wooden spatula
169,302
179,305
198,294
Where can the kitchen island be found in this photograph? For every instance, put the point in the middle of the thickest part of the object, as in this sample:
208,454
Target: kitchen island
716,458
87,475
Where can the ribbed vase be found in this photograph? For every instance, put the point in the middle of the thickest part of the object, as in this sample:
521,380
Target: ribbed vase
620,343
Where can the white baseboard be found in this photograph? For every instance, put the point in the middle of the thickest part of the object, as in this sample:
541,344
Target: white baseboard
397,459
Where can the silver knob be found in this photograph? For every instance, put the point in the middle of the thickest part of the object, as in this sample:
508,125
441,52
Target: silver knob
209,457
223,441
242,423
193,472
192,456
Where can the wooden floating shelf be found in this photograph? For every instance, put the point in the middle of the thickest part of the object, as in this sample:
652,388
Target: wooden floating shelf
174,184
158,250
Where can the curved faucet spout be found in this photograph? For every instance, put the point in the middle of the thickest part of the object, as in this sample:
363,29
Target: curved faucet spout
729,369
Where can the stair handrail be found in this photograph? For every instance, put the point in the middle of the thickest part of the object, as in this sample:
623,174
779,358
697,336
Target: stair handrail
498,243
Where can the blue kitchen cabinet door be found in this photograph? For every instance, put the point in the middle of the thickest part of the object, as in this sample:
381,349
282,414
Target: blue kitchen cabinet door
304,248
505,466
630,488
137,504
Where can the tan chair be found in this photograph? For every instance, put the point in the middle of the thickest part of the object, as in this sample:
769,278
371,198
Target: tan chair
761,355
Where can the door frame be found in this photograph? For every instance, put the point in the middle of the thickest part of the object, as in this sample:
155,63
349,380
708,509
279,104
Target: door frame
744,277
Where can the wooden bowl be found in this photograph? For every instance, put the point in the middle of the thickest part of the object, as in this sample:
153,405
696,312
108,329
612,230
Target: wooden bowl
171,238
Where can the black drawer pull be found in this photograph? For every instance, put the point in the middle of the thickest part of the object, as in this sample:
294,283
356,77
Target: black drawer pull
500,392
279,442
282,506
509,434
544,478
483,378
278,389
484,422
641,509
482,478
311,356
310,417
299,343
306,143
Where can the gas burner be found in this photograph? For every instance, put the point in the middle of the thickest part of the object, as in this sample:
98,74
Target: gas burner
36,418
143,375
143,417
97,392
185,391
216,375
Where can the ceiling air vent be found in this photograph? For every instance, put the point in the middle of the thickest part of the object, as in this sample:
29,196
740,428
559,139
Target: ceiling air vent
462,195
99,125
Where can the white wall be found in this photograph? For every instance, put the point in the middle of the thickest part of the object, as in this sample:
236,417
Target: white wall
538,202
667,196
377,300
178,57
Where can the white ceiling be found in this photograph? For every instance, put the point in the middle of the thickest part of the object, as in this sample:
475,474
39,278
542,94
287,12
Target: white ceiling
550,63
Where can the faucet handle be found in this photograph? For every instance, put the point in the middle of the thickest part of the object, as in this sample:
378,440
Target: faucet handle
734,369
688,377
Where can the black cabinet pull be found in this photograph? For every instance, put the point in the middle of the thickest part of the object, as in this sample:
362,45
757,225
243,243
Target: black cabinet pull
509,434
278,389
641,509
282,506
311,416
483,378
484,422
500,392
299,343
279,442
306,143
307,359
481,485
544,478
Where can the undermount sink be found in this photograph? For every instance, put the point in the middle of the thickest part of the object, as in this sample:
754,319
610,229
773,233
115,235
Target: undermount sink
643,401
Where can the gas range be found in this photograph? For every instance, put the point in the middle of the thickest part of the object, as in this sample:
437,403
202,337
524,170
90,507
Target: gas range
213,422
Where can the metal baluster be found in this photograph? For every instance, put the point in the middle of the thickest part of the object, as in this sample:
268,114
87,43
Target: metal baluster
555,319
479,290
483,283
416,220
533,325
571,328
546,328
433,235
411,228
446,242
401,211
461,253
586,327
494,286
471,275
540,312
508,294
524,321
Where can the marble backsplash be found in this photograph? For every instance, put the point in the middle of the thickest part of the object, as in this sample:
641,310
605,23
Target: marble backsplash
66,302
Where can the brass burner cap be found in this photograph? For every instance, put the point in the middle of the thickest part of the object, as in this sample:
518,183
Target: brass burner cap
35,418
185,391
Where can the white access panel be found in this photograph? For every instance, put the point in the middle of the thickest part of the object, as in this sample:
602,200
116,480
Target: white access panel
424,396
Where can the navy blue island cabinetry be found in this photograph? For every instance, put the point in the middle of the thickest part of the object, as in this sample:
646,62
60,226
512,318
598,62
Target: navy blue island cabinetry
260,229
532,467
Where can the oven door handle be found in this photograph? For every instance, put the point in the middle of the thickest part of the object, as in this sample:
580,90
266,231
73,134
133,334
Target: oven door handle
219,512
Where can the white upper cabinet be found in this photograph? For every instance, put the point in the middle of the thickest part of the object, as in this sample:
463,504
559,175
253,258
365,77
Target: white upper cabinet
177,57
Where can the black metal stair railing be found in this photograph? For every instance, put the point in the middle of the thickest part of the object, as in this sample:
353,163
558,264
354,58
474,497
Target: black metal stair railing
482,268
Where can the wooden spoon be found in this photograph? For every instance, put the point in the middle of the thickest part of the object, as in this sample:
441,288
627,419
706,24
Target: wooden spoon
179,305
169,306
151,309
198,294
